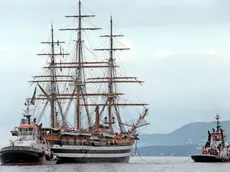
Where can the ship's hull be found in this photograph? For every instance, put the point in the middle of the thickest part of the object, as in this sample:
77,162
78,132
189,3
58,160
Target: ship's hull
21,155
92,154
209,158
62,160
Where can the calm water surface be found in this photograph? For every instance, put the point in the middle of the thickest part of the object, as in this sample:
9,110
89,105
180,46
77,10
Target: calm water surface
152,164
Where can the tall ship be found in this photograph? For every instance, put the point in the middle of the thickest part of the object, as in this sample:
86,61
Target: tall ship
29,148
87,113
216,148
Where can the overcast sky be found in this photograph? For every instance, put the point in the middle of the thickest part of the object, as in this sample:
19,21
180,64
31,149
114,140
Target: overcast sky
180,48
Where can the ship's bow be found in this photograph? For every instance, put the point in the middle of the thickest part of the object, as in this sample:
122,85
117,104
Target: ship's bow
21,155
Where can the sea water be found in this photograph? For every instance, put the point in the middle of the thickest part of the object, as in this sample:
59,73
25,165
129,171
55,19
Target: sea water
137,164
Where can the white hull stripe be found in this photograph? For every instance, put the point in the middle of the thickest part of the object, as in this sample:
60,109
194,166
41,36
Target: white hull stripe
75,155
92,147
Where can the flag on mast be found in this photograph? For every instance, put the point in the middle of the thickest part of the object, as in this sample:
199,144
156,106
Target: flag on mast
32,101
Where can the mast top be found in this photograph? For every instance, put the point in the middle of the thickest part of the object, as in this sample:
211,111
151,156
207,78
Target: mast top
218,127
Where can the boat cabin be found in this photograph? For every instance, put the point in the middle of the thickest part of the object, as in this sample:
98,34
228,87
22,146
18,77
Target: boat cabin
218,137
27,130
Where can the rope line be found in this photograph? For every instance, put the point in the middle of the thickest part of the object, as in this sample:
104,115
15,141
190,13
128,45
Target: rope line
136,153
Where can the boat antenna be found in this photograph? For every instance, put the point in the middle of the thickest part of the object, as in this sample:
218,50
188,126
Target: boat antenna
218,127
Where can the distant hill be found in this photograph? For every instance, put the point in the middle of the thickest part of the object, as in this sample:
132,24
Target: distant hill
192,133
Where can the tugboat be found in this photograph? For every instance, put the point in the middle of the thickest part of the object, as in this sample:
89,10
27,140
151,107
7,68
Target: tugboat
29,148
216,148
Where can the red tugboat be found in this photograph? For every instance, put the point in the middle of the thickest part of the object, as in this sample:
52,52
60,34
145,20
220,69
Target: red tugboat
30,148
216,148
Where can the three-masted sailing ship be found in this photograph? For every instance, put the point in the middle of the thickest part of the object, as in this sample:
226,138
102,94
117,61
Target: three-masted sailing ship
65,88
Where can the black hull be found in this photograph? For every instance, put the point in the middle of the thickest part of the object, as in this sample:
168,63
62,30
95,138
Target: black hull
21,156
209,158
93,160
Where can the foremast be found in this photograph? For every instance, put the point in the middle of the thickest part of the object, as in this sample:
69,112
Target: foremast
51,79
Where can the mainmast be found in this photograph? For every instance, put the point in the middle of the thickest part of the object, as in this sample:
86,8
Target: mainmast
79,70
53,84
80,78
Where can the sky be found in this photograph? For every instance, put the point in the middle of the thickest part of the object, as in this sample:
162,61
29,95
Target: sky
180,49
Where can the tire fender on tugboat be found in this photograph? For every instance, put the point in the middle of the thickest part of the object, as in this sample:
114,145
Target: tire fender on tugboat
204,152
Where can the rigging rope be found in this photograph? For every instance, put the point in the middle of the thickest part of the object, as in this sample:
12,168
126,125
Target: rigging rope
136,153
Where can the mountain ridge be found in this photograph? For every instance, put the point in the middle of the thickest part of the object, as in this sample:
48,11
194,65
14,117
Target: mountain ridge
192,133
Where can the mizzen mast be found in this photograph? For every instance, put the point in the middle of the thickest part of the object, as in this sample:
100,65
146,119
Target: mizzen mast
111,74
112,79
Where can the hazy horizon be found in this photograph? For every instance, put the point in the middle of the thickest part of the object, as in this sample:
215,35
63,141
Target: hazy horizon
179,48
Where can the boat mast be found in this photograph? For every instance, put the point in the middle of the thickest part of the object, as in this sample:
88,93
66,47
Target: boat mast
27,112
51,97
79,70
112,79
218,127
53,84
80,78
110,84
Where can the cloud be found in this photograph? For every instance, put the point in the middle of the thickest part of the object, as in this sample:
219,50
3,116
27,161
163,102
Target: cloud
125,55
184,80
3,48
167,12
189,87
152,12
162,53
210,52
